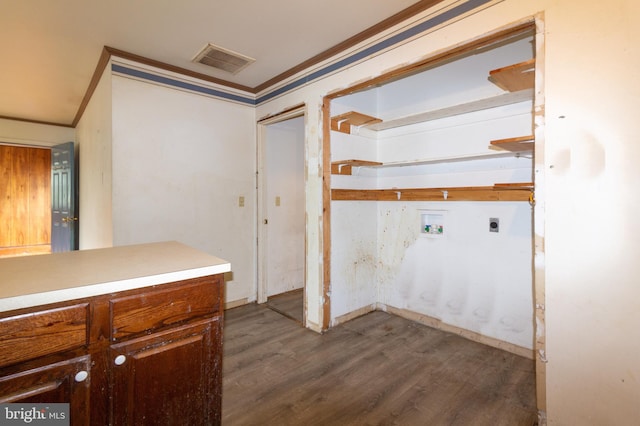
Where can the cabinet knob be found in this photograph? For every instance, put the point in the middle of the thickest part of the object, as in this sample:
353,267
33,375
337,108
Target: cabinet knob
120,359
81,376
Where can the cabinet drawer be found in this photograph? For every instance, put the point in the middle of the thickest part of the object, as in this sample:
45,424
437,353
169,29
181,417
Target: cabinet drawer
32,335
162,308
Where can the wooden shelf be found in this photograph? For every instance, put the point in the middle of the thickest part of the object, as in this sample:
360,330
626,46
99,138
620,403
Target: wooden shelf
343,122
517,144
515,77
465,108
344,167
470,193
515,185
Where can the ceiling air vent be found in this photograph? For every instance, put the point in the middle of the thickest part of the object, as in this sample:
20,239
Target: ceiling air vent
222,59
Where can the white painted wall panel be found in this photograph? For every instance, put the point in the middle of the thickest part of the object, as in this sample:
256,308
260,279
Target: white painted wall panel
95,174
180,163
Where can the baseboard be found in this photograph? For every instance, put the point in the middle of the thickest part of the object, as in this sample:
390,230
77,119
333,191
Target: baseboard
416,317
354,314
236,303
467,334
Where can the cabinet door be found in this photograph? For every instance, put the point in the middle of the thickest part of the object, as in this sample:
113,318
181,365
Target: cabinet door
169,378
61,382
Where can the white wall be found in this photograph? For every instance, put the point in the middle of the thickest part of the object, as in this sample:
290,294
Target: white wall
591,170
585,170
95,174
180,163
25,133
284,171
469,277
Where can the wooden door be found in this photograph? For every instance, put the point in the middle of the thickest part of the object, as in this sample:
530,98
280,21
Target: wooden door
64,220
25,206
61,382
169,378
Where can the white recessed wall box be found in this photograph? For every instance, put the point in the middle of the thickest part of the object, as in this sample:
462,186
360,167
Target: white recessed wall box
433,223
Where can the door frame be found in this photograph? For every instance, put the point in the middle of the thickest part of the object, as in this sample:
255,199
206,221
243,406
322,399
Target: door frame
261,202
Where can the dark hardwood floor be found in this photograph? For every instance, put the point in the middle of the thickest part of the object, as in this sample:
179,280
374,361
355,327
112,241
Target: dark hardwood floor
377,369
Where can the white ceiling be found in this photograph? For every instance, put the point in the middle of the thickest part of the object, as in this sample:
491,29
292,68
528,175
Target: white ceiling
50,49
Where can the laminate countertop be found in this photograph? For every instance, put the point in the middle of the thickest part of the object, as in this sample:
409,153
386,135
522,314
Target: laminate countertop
48,278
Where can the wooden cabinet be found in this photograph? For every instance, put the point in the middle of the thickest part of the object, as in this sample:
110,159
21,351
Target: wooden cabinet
145,356
168,376
61,382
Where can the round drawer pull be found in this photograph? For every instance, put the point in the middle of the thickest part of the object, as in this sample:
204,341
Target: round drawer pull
120,359
81,376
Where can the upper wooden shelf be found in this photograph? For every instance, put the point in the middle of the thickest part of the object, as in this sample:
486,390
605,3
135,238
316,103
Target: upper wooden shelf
345,167
517,144
343,122
517,80
515,77
451,111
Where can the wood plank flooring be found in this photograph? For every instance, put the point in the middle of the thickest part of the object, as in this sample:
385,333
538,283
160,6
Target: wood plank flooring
289,304
377,369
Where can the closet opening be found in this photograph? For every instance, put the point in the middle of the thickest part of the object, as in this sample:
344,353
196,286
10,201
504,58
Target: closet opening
430,181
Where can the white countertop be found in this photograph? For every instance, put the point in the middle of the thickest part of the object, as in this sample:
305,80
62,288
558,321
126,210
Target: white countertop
48,278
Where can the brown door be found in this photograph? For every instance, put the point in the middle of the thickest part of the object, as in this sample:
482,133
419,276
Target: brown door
25,203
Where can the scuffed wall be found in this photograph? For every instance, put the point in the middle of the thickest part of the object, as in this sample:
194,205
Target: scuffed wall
468,277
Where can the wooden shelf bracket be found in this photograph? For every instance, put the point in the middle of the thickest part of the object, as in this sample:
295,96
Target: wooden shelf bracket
343,122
